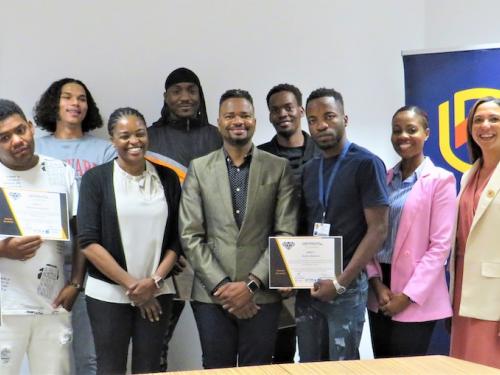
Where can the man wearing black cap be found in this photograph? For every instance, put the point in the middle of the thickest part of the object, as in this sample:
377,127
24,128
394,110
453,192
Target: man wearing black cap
181,134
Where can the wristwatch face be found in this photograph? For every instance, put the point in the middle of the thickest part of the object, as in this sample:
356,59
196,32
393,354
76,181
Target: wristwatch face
252,285
339,288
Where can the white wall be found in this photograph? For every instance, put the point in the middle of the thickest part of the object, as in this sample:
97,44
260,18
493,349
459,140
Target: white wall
461,23
124,49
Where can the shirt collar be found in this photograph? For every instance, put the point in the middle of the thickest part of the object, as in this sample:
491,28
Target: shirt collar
248,156
415,175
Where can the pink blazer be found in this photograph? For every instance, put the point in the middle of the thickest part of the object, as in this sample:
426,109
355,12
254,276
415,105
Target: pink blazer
422,246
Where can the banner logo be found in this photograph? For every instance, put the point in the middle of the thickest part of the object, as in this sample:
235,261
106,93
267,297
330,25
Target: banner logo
446,145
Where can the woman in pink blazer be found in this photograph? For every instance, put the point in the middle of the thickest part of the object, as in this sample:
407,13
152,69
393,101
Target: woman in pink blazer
408,291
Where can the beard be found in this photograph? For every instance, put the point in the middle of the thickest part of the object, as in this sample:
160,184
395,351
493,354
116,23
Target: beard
238,141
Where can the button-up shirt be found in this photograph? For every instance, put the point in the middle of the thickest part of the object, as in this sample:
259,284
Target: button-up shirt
238,183
398,192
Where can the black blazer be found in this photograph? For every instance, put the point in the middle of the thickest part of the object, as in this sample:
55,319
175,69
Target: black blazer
97,220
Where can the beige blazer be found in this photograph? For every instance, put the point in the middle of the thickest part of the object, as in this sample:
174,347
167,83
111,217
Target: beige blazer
210,237
481,278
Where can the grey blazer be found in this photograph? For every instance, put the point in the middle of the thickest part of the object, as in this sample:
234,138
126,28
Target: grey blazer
210,237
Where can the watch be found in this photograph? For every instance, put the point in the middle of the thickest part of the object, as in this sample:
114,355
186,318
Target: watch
77,286
252,286
339,288
158,281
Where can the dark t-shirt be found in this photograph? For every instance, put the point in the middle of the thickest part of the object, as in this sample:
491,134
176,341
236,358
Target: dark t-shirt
359,184
296,156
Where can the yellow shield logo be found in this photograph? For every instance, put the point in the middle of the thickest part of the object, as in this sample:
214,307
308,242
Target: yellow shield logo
460,125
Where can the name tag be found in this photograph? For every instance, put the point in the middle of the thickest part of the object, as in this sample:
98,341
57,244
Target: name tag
321,229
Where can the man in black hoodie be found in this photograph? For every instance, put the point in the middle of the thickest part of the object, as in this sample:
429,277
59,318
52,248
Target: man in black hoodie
181,134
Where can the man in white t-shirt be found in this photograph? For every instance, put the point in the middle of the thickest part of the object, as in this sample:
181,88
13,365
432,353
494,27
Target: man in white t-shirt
34,298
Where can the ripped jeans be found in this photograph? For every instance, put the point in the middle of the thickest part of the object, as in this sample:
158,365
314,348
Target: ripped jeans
46,339
331,330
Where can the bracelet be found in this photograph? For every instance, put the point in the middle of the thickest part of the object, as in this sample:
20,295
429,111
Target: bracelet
77,286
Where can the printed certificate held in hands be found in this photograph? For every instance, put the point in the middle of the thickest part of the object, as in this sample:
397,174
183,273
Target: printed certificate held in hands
298,262
31,212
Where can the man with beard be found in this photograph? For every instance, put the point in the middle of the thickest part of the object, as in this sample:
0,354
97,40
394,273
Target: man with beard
181,134
233,199
284,102
343,194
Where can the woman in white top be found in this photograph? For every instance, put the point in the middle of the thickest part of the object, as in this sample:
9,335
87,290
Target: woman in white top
127,229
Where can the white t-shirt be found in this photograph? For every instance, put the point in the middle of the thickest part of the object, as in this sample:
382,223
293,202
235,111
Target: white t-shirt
142,212
29,287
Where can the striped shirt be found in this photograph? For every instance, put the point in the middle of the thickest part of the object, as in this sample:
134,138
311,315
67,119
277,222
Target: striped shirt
398,192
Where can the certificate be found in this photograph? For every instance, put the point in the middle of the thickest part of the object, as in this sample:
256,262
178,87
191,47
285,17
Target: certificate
32,212
298,262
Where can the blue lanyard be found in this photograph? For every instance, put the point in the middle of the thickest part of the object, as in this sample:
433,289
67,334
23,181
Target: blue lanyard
323,198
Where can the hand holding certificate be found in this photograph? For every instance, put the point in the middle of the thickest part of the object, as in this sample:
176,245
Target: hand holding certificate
29,212
298,262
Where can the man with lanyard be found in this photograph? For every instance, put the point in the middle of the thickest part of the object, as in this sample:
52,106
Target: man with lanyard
343,194
284,102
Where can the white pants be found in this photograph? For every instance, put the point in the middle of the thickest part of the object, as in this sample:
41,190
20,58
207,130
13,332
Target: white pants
46,339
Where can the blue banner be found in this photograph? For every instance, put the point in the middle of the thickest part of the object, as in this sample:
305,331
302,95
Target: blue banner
446,85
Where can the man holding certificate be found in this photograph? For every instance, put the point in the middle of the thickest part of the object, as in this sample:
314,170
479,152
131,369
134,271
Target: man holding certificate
343,194
34,299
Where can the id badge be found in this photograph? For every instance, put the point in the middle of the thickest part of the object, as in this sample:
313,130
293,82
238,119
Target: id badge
321,229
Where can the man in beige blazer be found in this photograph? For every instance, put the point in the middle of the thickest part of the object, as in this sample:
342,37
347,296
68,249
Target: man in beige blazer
233,199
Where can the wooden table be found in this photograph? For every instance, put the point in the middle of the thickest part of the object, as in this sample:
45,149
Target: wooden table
427,365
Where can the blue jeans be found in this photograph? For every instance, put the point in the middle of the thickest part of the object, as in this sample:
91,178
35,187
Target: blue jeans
83,340
84,358
227,341
333,327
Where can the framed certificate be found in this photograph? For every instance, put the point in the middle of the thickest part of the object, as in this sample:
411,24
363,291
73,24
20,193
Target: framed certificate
32,212
298,262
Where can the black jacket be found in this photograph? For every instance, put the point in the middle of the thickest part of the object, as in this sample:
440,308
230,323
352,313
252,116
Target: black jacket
310,151
183,140
97,218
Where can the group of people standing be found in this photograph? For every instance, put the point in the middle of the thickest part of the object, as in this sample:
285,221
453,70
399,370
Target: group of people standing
183,193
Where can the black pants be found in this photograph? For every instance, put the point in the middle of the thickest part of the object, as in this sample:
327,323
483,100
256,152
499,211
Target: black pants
177,308
398,339
227,341
115,324
284,349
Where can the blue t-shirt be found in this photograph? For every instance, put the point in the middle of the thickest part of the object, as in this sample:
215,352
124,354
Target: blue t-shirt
359,184
81,153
